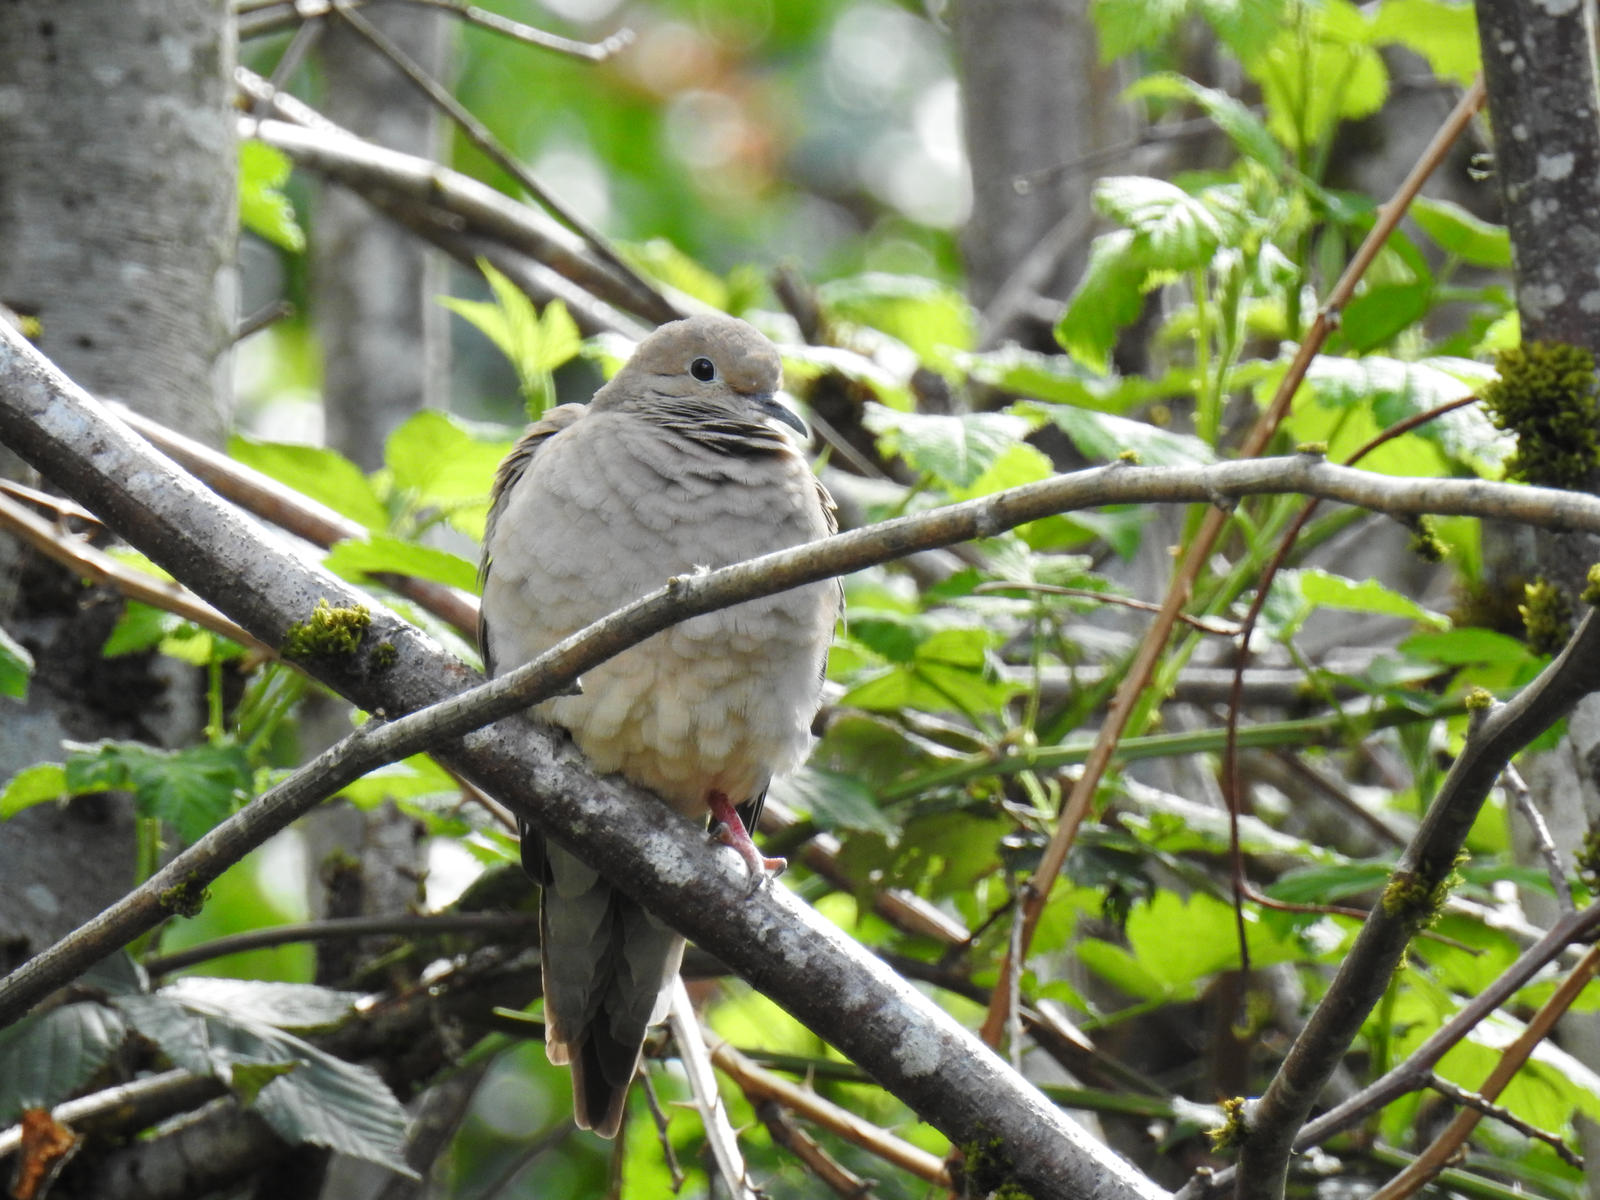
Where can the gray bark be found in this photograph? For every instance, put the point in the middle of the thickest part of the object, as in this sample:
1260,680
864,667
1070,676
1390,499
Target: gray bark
117,215
1539,65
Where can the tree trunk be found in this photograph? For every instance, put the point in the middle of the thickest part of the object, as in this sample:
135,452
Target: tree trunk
117,214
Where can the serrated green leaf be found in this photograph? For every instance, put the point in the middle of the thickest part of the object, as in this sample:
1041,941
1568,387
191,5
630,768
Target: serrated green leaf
379,554
927,316
1314,77
16,665
955,449
322,474
298,1007
534,343
33,785
1248,133
263,209
46,1057
1180,231
1102,436
1307,589
835,800
324,1101
191,789
1456,231
141,627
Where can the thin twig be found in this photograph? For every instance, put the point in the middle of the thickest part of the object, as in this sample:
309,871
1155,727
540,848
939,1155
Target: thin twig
528,35
658,307
696,1059
1050,589
1522,797
1199,550
1506,1117
77,555
760,1084
837,1178
1448,1143
515,927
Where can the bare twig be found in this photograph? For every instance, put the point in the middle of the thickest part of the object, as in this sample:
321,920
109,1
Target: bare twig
1546,845
658,307
77,555
760,1084
1448,1143
514,926
127,1106
834,1175
1199,550
1506,1117
690,1040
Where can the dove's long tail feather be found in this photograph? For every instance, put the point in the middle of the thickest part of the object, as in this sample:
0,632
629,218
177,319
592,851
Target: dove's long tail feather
606,966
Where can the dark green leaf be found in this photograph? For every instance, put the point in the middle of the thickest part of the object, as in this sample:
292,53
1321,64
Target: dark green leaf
1379,314
836,801
955,449
46,1057
191,789
1330,883
1466,647
300,1007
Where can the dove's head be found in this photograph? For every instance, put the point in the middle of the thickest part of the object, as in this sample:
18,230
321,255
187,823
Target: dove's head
709,368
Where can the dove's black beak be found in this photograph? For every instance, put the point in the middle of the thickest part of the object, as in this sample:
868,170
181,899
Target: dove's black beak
779,411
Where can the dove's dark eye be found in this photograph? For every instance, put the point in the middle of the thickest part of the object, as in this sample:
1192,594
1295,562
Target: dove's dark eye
703,369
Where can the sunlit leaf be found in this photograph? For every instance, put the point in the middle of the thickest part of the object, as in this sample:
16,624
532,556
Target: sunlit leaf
324,475
263,208
955,449
1456,231
1244,129
16,664
358,561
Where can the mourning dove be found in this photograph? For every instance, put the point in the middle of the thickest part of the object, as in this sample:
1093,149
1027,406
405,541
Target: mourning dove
684,461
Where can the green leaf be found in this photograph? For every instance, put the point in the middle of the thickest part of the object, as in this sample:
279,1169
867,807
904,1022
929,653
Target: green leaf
1103,436
322,1100
16,664
1060,380
535,344
1466,647
445,461
1442,31
955,449
248,1078
1312,78
359,560
1377,316
33,785
263,209
835,800
1248,133
1244,26
1330,883
927,316
191,789
1456,231
1108,297
1180,231
141,627
1312,588
322,474
46,1057
662,260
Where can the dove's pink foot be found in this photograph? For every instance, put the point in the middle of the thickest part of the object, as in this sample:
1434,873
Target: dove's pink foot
730,831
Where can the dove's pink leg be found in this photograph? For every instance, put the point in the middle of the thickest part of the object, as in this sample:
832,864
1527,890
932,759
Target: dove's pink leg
730,831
